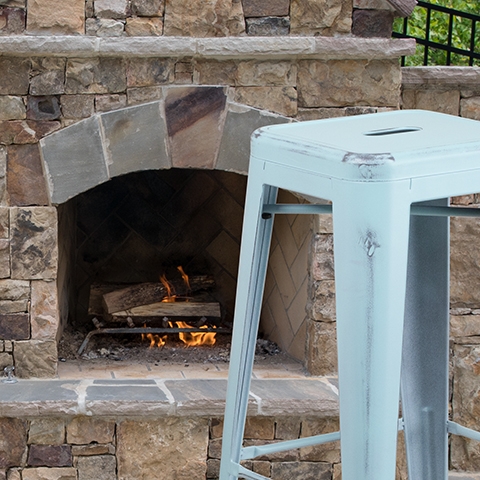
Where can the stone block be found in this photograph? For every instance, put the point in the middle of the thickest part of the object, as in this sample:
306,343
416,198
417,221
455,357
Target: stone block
45,473
77,106
281,100
266,8
50,456
213,468
181,441
34,243
204,18
105,27
144,27
12,21
92,450
15,76
254,73
328,452
13,474
107,103
322,267
99,75
262,467
323,301
14,296
50,17
48,76
194,117
287,428
211,72
241,122
303,470
81,144
434,100
86,430
135,138
44,312
43,108
320,17
14,326
25,131
101,466
111,8
268,26
464,261
4,260
25,180
470,108
372,23
137,96
148,8
12,108
337,83
4,212
46,431
147,72
13,433
35,358
321,348
6,360
4,216
259,427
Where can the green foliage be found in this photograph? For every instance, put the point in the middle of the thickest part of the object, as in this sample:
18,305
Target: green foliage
439,23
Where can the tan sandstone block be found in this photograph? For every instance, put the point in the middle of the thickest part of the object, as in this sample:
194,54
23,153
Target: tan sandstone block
338,83
35,358
46,431
44,310
321,348
282,100
143,27
434,100
13,433
470,108
177,447
204,18
465,261
57,18
320,17
85,430
45,473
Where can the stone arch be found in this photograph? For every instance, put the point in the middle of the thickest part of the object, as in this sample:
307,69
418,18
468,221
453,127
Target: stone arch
189,127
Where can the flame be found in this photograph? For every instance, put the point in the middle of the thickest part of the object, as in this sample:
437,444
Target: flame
184,276
170,297
193,339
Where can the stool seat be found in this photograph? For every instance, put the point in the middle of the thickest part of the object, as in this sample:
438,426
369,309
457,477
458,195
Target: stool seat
388,146
391,279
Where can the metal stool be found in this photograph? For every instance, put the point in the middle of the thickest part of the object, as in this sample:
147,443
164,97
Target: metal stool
375,169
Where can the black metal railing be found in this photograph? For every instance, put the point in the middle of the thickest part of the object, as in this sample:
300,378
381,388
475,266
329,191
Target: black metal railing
455,50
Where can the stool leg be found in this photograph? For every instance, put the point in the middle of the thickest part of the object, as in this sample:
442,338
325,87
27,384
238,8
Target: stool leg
371,224
424,383
256,237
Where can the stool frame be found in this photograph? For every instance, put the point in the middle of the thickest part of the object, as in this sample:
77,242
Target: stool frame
391,251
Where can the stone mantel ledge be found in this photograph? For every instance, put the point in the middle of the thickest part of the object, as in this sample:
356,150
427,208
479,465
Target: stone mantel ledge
415,77
309,397
221,48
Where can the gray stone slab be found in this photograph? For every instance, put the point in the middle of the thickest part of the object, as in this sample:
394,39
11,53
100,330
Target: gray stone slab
135,139
282,397
240,123
198,396
38,397
74,159
125,392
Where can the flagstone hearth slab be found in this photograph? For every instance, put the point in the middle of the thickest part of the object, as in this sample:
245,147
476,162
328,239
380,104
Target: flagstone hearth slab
314,397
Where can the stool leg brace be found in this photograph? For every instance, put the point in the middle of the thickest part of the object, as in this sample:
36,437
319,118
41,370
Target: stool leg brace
371,234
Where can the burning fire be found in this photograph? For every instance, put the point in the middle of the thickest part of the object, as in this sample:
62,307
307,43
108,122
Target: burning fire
191,339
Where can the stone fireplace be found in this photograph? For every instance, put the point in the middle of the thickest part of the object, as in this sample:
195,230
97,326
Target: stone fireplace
193,132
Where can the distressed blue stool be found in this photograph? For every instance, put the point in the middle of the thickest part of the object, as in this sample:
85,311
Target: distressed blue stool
391,276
